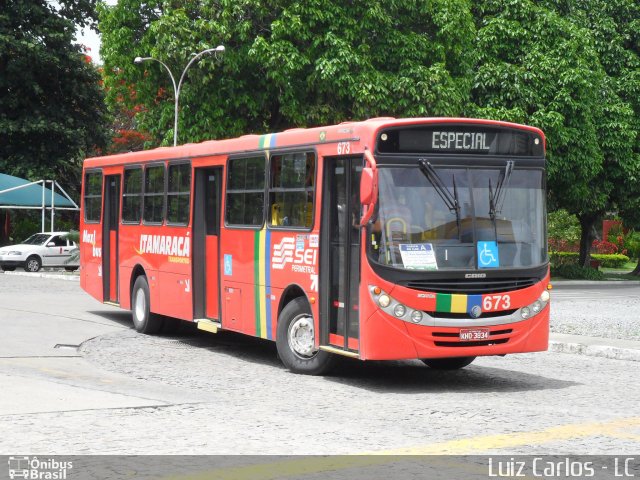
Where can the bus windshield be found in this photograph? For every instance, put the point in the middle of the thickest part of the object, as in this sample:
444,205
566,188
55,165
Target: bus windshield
443,218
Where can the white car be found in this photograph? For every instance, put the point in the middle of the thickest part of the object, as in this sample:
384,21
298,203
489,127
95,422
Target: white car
40,250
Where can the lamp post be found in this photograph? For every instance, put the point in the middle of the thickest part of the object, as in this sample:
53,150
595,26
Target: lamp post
176,88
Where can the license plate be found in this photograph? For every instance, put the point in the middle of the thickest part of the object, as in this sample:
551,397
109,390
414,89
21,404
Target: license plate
473,334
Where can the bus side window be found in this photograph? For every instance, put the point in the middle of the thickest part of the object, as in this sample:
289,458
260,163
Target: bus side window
245,191
92,197
291,191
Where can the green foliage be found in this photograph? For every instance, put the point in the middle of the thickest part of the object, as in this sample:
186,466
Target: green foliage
563,225
287,63
614,260
632,244
24,227
576,272
52,112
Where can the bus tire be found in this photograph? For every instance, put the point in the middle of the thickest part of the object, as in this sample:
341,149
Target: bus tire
143,320
295,337
454,363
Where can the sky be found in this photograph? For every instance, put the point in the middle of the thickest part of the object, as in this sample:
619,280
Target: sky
90,39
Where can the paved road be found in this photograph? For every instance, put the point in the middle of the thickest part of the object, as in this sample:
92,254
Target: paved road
125,393
599,310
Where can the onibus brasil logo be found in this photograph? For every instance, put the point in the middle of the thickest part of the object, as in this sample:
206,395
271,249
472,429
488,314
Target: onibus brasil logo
36,469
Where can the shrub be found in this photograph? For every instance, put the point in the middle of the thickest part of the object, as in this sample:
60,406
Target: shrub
611,261
603,246
560,245
561,225
564,258
571,258
576,272
632,244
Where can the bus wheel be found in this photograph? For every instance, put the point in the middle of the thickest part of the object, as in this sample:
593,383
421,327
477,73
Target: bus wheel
143,320
296,338
448,363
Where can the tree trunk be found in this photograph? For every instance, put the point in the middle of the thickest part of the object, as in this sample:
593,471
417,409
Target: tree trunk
587,221
636,271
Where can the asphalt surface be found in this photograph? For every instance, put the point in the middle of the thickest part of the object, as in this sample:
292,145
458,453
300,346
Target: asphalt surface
78,380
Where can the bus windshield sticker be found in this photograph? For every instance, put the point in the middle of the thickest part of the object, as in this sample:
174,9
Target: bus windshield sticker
488,255
418,256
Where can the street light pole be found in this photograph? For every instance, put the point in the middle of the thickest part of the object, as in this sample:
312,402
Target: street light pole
176,88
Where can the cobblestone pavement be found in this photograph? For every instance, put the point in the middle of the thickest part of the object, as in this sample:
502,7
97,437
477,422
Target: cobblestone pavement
609,310
126,393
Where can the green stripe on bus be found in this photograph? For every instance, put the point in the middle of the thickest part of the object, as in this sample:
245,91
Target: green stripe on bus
256,271
443,302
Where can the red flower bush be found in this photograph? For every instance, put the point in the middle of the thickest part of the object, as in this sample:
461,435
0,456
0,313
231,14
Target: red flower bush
604,247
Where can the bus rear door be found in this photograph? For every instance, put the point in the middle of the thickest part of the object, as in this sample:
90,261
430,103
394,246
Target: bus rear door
110,238
206,231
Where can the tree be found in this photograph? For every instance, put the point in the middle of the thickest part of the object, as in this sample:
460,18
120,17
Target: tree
542,66
287,63
52,110
615,25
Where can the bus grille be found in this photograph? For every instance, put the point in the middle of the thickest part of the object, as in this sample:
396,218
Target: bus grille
448,315
481,343
471,286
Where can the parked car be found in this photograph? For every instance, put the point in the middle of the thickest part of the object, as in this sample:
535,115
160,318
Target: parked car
40,250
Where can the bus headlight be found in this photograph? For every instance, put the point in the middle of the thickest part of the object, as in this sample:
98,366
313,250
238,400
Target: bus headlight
525,312
536,306
384,300
544,296
393,307
399,310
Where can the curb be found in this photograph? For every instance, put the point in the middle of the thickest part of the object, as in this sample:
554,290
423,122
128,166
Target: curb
603,351
71,277
571,283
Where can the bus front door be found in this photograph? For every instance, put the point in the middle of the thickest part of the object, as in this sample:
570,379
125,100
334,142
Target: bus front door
110,238
206,231
340,253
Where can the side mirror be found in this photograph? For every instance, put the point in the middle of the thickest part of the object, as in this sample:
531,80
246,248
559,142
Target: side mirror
51,244
366,186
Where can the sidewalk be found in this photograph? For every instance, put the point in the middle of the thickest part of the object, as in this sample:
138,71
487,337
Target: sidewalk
55,274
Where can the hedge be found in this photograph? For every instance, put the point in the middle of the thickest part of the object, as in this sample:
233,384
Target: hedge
615,260
573,271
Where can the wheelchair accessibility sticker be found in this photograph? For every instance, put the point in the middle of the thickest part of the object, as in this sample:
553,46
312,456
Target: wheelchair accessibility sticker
488,255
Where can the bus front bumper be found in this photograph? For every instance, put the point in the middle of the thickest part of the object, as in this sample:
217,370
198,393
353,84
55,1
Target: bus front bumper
388,338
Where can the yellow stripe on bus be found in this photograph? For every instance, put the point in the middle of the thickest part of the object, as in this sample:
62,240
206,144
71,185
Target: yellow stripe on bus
263,285
458,303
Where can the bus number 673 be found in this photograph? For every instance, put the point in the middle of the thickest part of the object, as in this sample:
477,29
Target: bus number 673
495,302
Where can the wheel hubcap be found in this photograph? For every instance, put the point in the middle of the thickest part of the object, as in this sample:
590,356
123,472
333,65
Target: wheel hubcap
301,336
33,265
140,305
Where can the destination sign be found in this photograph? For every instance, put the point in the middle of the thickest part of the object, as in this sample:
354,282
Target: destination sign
463,139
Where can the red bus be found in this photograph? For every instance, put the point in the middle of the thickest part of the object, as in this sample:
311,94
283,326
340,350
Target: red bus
383,239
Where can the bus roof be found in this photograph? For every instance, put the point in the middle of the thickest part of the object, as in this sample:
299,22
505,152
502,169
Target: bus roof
347,131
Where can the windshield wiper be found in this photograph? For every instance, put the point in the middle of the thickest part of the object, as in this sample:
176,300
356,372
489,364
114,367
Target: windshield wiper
451,201
497,199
